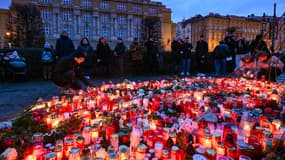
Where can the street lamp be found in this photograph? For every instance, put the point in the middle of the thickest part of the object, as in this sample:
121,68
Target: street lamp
8,35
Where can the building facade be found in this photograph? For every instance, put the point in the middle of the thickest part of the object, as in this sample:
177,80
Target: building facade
215,27
96,18
3,28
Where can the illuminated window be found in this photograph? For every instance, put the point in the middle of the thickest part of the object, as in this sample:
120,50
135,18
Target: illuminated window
86,3
67,2
46,14
122,20
67,15
122,7
87,17
105,19
104,5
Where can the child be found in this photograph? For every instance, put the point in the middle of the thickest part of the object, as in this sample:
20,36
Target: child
47,60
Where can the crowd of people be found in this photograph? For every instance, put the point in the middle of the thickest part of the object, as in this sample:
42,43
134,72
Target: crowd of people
232,56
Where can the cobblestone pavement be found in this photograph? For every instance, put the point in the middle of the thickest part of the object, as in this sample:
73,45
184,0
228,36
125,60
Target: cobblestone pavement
17,97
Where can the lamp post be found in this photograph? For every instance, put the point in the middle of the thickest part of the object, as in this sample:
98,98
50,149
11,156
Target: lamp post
273,29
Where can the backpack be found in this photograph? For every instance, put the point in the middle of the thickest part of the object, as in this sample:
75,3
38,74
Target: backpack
47,56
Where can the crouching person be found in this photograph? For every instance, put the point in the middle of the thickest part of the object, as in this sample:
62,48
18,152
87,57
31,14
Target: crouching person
247,67
67,73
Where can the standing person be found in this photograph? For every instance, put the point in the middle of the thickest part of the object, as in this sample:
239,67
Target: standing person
47,60
87,49
242,50
151,55
221,52
103,54
64,46
136,55
178,56
119,52
269,66
201,52
186,57
230,60
68,74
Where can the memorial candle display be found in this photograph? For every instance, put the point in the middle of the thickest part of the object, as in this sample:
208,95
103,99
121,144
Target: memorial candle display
178,119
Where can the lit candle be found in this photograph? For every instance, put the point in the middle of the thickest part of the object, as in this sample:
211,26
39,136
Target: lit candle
123,152
74,154
221,149
207,140
87,135
141,151
158,146
94,134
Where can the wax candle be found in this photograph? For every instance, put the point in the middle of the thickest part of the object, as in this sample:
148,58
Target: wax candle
123,152
74,154
207,140
87,135
158,146
141,151
221,150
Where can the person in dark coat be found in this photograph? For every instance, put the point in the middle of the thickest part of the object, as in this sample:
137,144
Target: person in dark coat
103,55
64,46
119,52
68,74
136,51
87,49
201,52
231,43
258,45
151,55
185,61
221,52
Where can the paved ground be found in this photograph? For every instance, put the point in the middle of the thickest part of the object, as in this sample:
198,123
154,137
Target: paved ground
16,97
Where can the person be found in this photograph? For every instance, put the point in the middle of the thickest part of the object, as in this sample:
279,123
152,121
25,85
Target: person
258,45
68,74
269,66
221,52
64,46
178,56
47,61
119,52
230,60
241,50
201,52
103,55
151,54
247,67
136,51
186,57
87,49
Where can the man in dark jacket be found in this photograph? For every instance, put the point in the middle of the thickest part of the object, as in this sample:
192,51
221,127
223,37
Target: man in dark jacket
119,52
221,52
201,52
186,57
64,45
151,55
67,72
136,51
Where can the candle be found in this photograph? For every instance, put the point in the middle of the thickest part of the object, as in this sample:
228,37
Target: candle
123,152
158,146
94,134
115,141
221,149
207,141
87,135
141,151
173,153
59,152
51,156
74,154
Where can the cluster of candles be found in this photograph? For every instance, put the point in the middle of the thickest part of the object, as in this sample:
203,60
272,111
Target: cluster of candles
136,118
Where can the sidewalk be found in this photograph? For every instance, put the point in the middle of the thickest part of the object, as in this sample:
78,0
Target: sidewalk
16,97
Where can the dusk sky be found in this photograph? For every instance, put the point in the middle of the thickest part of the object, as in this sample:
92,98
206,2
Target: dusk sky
188,8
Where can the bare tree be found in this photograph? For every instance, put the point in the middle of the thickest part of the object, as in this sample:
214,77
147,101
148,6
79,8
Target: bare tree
25,26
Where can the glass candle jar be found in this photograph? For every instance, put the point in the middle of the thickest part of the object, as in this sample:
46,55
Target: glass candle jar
68,145
174,152
207,140
51,156
123,152
211,154
74,154
141,151
59,152
165,154
221,150
158,146
86,133
115,141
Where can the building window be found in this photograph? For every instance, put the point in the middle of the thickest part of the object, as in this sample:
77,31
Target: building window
122,7
106,32
47,29
87,17
137,9
105,19
122,20
104,5
122,33
68,29
87,32
67,15
45,1
152,10
46,14
67,2
137,21
86,3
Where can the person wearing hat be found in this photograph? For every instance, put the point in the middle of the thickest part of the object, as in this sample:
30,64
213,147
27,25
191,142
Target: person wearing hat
68,74
64,46
269,66
47,61
119,52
